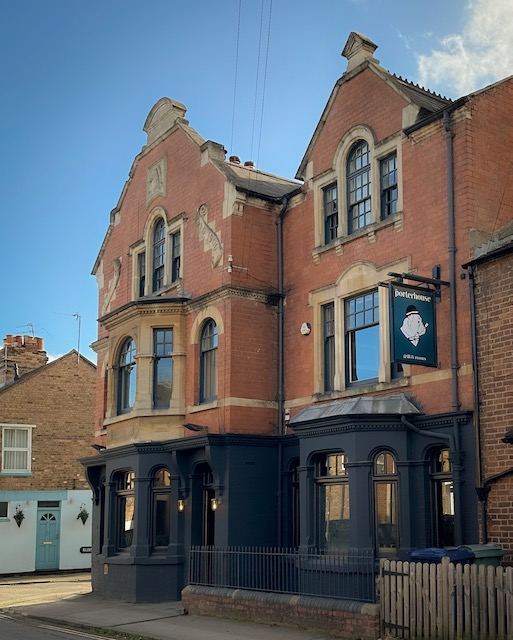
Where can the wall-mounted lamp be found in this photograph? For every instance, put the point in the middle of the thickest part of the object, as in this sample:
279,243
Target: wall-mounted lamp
508,437
182,504
305,329
214,503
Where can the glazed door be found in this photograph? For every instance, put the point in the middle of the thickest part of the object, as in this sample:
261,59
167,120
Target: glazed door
47,542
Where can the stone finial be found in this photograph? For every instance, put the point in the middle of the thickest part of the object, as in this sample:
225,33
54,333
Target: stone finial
164,114
358,49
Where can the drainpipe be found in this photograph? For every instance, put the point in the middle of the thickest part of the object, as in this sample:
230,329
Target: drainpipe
281,358
481,488
457,461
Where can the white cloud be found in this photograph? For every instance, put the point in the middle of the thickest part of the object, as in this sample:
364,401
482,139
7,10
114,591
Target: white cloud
480,55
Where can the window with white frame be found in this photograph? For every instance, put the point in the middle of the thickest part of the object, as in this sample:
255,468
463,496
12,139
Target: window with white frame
361,325
16,448
3,509
362,189
353,325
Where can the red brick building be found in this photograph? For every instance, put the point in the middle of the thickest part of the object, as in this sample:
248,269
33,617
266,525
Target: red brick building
249,391
491,282
46,417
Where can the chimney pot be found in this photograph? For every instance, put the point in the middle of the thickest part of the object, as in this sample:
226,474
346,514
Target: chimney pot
250,164
235,159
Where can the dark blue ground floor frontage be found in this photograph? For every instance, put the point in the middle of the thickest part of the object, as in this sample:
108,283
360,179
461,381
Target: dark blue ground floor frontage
377,478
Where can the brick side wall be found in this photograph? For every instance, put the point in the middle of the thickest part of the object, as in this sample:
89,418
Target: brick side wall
59,399
494,323
338,618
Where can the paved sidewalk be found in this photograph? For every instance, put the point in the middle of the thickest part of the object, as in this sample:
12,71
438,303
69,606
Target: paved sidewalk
161,621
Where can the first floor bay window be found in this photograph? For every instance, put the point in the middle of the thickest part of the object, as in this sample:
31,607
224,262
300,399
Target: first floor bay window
127,375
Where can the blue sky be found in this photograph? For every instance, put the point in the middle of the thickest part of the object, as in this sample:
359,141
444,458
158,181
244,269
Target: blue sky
79,78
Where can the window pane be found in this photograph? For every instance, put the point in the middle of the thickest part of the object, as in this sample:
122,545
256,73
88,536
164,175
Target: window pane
328,311
175,258
141,262
386,514
334,516
126,521
362,337
3,509
162,367
208,362
330,213
388,168
364,354
127,377
162,506
158,255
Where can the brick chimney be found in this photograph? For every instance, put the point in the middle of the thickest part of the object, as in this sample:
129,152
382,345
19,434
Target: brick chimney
19,355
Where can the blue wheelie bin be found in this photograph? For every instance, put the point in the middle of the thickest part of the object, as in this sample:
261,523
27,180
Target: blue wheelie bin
434,555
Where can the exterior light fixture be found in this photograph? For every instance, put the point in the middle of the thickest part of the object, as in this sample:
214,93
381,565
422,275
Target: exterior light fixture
181,505
305,329
508,437
214,503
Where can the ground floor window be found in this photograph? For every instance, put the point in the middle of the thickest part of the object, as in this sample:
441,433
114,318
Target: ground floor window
125,503
385,501
161,508
443,498
332,497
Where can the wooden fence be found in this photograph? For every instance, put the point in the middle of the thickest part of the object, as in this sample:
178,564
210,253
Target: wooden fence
444,601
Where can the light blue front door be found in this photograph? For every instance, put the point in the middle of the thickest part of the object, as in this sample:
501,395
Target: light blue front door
48,533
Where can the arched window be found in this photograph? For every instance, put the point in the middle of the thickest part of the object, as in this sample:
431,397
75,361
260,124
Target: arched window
127,374
208,362
161,490
443,498
359,186
125,503
332,497
385,502
159,255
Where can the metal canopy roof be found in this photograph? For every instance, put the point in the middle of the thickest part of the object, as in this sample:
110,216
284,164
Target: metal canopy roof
362,405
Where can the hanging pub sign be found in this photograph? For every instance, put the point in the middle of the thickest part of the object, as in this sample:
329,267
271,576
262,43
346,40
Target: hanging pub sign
412,325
